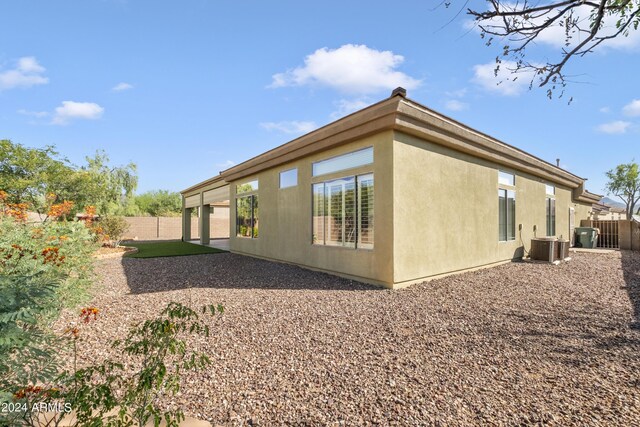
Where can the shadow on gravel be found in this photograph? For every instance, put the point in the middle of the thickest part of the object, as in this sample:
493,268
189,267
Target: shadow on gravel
227,271
631,271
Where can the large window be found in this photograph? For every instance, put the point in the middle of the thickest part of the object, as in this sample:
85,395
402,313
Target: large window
506,215
551,210
345,161
247,216
343,212
506,207
247,209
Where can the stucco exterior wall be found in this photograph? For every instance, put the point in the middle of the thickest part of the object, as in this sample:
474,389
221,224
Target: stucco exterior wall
446,211
583,211
435,210
285,216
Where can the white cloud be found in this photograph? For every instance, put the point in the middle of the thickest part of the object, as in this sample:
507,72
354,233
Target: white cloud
503,83
354,69
455,105
459,93
616,127
122,86
292,127
605,110
27,73
29,64
71,110
348,106
36,114
632,109
226,164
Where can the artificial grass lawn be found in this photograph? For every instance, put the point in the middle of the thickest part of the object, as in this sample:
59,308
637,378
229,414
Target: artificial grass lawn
166,249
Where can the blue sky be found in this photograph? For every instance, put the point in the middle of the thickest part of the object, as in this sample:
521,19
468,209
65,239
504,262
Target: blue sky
187,88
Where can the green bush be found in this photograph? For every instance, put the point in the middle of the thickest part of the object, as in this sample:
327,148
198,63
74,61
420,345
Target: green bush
47,267
43,269
113,228
55,252
108,393
27,348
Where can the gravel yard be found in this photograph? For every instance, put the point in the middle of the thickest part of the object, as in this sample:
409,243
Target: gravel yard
521,343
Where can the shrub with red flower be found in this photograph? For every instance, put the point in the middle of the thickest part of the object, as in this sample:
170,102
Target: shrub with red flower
87,312
14,210
51,254
60,210
73,331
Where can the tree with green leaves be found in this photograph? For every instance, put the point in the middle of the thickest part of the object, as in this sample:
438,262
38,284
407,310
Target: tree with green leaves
32,174
624,182
159,203
28,174
111,188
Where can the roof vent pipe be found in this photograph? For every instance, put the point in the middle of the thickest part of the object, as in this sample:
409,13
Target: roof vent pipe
399,91
558,162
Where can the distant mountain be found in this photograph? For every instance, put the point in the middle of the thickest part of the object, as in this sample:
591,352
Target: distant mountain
614,203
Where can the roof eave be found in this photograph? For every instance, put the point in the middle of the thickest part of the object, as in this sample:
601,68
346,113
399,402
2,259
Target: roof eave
371,120
202,184
415,119
406,116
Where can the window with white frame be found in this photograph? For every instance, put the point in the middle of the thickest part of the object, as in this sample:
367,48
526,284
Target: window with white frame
506,207
343,212
550,205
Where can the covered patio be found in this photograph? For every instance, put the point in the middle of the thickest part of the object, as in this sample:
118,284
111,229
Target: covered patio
211,201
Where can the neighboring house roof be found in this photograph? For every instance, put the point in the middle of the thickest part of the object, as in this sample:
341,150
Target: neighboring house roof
402,114
600,207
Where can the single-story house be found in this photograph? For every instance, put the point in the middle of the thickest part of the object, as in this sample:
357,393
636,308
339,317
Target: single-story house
603,212
393,194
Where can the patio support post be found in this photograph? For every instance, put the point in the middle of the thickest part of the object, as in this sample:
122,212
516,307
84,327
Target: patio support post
203,221
186,224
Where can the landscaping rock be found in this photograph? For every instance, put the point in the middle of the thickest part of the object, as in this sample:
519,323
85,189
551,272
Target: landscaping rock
517,344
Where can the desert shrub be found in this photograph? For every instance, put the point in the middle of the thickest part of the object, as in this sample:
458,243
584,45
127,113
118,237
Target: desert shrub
43,268
58,252
27,348
108,393
113,228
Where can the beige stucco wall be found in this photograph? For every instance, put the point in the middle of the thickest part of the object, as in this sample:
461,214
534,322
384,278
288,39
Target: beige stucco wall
446,211
436,212
285,227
